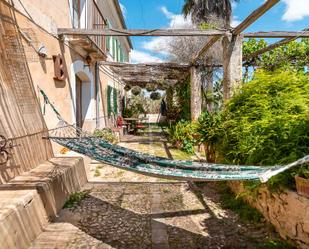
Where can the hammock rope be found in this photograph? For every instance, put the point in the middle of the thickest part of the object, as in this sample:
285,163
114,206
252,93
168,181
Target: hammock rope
75,139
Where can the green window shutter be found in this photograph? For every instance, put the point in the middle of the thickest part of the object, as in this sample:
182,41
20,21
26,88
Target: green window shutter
115,101
109,102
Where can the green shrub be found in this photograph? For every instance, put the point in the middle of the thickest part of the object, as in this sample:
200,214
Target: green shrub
184,135
209,130
267,122
106,134
75,199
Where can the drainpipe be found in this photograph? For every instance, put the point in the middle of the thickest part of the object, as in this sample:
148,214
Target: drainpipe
97,95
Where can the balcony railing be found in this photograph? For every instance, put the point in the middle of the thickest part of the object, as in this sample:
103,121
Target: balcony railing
87,15
98,22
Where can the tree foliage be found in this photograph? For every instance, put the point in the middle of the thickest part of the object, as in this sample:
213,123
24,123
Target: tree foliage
267,122
294,54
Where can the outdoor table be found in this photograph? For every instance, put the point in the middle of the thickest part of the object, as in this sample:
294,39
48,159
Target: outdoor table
133,121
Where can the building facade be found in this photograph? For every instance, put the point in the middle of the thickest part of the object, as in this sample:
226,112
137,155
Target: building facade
85,93
67,69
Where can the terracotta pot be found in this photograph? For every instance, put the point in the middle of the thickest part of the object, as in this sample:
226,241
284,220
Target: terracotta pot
178,144
302,186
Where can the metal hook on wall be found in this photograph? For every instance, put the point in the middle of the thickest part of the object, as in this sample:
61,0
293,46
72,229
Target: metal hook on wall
5,146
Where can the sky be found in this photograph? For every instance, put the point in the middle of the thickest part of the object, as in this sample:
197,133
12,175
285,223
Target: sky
150,14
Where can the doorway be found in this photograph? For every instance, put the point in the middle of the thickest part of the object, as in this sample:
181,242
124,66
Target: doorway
83,100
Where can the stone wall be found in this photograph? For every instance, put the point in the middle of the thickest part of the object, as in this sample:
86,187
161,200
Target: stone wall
287,211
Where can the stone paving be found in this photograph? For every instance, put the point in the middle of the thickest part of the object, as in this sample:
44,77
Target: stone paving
158,216
129,211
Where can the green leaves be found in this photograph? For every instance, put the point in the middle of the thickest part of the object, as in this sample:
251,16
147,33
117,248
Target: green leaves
184,134
267,122
294,54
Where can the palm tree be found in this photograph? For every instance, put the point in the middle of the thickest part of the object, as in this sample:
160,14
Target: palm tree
215,12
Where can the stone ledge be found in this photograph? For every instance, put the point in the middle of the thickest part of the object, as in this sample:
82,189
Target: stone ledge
22,218
54,180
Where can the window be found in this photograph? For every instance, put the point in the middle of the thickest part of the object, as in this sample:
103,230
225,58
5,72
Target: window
76,13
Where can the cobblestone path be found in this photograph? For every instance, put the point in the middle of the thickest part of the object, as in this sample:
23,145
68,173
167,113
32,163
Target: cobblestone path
127,211
159,216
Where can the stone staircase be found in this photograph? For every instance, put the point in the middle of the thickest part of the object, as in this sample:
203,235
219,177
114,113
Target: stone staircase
30,201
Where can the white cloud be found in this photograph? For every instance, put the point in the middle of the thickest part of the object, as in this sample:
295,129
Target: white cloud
158,44
176,21
141,57
123,9
234,5
295,10
235,21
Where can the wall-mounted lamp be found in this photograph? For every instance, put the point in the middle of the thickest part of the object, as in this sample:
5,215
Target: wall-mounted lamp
88,61
42,50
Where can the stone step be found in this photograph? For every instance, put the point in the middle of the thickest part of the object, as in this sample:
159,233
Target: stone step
54,180
22,218
29,201
66,236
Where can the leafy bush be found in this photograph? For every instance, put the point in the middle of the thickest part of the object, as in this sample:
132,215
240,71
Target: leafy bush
209,130
75,199
106,134
267,122
184,135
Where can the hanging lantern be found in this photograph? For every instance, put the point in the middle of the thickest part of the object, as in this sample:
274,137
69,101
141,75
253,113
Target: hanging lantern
127,88
136,90
155,96
150,87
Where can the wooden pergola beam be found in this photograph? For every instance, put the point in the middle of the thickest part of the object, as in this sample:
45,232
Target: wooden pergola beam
254,16
272,46
128,65
240,28
204,49
139,32
278,34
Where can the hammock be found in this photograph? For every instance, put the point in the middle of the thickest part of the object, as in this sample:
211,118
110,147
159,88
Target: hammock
77,140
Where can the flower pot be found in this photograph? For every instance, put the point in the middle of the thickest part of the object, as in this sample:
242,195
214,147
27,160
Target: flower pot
178,144
302,186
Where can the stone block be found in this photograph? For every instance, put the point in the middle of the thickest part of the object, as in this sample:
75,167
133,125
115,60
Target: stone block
54,180
22,218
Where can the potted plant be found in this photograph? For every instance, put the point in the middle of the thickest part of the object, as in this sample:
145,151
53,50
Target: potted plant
136,90
155,96
302,182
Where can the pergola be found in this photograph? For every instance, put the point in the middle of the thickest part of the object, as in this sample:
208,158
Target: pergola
169,74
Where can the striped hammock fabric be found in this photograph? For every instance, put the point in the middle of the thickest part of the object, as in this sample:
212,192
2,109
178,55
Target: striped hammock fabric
98,149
